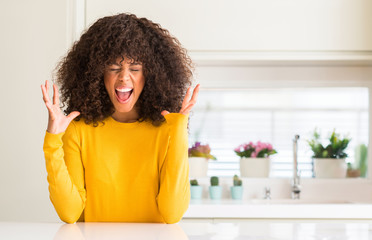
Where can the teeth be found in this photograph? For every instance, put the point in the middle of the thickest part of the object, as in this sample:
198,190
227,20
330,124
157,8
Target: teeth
124,89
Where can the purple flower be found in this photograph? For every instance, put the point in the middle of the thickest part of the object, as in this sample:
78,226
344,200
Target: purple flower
200,150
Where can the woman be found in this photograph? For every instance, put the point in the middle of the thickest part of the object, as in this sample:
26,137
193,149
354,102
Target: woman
120,154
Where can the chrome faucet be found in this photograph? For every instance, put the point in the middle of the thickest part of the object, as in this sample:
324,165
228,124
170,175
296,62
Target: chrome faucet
267,194
296,188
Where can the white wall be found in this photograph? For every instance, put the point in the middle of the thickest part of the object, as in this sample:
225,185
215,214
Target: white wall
35,34
33,37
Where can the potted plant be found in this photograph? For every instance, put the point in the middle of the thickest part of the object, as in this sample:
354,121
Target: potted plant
255,159
359,167
352,172
329,159
237,188
199,155
195,189
215,191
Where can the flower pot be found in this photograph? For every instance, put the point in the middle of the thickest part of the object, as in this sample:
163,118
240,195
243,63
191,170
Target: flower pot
236,192
255,167
196,192
198,167
353,173
330,168
215,192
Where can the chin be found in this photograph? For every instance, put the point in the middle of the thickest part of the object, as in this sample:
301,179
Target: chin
123,109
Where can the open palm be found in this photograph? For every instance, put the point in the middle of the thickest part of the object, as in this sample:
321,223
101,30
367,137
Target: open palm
58,122
188,102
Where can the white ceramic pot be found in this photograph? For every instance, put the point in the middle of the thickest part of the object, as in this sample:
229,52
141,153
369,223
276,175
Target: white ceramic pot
255,167
198,167
330,168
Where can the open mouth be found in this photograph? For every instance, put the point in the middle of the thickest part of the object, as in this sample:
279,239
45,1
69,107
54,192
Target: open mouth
123,95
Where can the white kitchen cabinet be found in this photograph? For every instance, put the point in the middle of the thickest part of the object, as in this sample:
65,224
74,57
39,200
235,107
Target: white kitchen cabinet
254,25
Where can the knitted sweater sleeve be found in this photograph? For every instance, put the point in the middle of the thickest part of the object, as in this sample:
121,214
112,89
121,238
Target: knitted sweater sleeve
174,193
65,173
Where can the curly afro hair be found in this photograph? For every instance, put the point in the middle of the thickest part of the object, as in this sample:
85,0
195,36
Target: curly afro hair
166,67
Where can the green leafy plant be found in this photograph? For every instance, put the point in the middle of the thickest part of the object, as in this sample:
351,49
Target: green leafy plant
200,150
361,152
194,182
237,181
334,149
214,181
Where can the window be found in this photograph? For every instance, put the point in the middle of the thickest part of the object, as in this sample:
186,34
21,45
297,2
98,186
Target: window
227,118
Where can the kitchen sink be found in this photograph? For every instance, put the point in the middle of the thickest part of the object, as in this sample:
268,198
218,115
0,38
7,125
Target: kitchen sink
296,201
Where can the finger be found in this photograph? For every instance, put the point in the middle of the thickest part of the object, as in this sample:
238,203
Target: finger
45,94
195,94
47,102
193,98
165,112
73,115
52,115
56,95
47,86
187,109
187,106
187,97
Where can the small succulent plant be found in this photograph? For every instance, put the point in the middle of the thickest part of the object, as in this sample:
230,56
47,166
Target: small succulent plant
214,181
194,182
361,153
237,181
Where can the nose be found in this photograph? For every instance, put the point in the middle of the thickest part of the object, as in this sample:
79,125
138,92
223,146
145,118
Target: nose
124,75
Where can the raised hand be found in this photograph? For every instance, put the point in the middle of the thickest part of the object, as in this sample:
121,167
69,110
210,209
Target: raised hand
188,102
58,122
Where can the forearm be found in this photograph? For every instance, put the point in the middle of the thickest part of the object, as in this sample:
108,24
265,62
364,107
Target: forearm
174,194
68,201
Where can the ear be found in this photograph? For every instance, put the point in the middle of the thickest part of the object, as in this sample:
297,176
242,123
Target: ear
165,112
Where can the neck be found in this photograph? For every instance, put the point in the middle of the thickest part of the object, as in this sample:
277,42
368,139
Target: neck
125,117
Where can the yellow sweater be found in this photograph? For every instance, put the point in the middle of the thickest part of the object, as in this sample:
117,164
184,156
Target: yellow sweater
119,172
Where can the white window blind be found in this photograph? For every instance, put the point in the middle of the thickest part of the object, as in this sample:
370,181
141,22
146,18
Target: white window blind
227,118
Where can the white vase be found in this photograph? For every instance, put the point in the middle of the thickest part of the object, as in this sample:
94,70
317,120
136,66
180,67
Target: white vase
198,167
255,167
330,168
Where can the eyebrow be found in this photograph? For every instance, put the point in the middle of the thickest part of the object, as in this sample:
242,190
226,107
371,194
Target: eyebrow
132,64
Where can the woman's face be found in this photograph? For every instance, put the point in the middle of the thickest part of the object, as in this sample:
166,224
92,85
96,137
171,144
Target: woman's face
124,82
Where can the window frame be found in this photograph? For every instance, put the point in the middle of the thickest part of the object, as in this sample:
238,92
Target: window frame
203,111
216,73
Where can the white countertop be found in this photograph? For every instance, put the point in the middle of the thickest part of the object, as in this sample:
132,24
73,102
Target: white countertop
278,208
268,230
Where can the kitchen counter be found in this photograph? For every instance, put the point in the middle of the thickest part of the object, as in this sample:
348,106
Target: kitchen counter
278,208
189,230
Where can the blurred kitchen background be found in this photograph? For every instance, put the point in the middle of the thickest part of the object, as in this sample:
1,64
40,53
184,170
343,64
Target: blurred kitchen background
268,69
